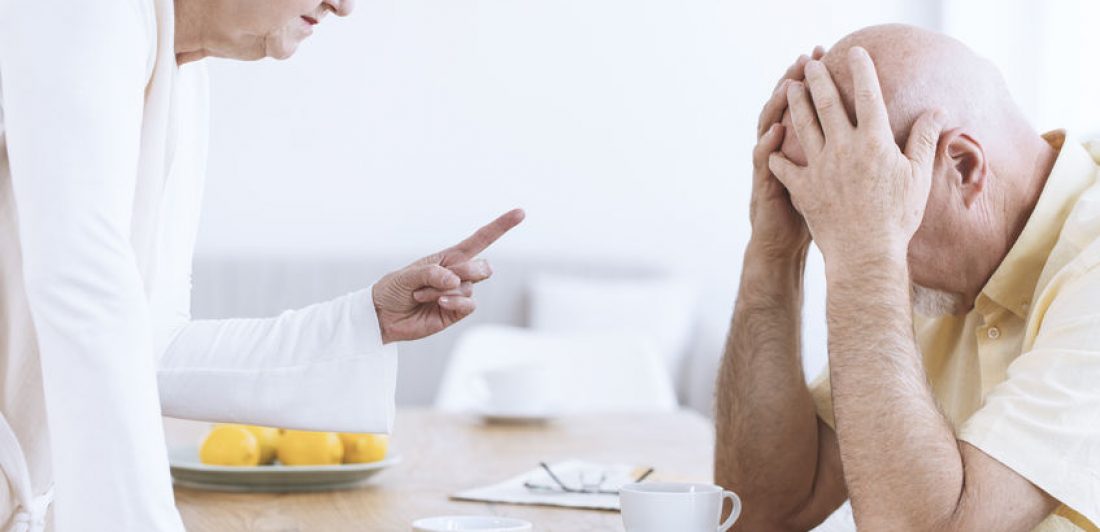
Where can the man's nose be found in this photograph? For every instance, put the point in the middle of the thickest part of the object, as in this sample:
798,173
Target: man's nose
342,8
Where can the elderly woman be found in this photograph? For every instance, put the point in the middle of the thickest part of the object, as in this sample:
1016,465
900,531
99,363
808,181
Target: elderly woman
102,149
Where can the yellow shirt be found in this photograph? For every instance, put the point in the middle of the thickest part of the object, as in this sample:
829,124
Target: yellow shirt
1019,375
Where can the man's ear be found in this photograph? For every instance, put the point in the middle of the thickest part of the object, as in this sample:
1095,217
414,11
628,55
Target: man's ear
964,162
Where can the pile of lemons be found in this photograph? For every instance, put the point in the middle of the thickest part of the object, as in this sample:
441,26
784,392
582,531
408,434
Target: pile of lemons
250,445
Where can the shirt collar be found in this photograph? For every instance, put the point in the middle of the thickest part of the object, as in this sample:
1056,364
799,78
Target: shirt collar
1013,283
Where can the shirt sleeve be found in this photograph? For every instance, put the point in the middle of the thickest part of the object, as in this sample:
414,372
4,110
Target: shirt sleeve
1043,421
322,367
73,78
821,391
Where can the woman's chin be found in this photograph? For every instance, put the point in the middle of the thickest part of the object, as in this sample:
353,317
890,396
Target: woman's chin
283,53
283,49
283,44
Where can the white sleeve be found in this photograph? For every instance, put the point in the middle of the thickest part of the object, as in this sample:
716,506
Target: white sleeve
73,77
322,367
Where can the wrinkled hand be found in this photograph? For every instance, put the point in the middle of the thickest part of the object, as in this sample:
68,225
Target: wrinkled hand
433,293
777,228
861,196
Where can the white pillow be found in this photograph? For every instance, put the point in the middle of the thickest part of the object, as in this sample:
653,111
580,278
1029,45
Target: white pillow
603,372
658,308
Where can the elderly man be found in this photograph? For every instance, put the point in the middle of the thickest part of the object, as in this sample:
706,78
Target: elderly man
961,252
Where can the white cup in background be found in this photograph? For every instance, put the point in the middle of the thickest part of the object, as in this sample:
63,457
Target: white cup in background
516,390
665,506
471,523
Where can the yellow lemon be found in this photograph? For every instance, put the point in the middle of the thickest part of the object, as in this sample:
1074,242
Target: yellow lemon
299,447
269,441
230,445
360,448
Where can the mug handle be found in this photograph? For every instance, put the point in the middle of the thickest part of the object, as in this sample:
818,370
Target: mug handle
735,511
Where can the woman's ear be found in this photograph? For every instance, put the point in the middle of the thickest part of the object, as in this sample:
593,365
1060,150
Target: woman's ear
962,159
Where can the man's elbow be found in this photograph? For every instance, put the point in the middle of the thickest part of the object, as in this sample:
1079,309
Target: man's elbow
916,518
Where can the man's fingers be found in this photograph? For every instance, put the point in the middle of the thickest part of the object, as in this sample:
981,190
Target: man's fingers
870,107
772,112
428,295
431,275
463,306
924,138
475,270
794,71
830,108
804,120
785,171
769,143
485,236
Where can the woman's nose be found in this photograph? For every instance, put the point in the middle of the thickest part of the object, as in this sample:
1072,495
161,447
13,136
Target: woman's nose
342,8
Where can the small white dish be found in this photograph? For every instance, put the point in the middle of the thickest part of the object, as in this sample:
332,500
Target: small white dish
479,523
516,417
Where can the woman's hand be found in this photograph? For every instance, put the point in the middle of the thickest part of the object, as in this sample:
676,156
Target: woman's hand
433,293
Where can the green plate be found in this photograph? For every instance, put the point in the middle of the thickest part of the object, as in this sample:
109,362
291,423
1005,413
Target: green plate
188,471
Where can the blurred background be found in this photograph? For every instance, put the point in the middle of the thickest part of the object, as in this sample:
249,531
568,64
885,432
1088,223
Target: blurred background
623,127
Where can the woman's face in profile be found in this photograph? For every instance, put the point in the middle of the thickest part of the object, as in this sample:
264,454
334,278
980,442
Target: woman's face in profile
255,29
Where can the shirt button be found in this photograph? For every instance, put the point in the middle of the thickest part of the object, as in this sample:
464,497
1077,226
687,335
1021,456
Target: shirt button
993,333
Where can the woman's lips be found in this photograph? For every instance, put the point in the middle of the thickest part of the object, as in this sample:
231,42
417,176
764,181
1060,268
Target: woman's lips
309,20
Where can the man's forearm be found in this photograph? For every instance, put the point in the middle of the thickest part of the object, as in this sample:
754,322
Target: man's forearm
901,460
766,423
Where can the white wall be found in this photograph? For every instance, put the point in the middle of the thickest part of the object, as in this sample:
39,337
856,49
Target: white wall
622,126
1046,51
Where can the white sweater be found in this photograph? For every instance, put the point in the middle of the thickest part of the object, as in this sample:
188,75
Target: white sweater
102,153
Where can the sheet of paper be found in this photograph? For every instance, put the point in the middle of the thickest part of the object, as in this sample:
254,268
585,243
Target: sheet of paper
536,486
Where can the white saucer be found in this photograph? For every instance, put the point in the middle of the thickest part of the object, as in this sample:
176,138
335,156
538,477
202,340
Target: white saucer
516,417
481,523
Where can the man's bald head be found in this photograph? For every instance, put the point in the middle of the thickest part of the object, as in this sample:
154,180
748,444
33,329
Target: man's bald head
990,164
920,70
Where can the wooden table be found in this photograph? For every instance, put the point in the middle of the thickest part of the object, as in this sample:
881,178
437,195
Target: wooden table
445,453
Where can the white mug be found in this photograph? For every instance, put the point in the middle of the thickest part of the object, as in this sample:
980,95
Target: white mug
665,506
516,390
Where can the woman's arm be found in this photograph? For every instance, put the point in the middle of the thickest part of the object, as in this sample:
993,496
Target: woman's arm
73,77
322,367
